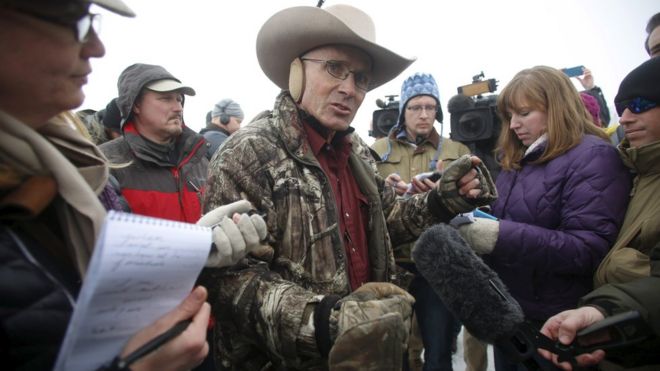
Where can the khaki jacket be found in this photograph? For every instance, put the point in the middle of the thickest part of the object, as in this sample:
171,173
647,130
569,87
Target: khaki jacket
398,155
264,305
628,259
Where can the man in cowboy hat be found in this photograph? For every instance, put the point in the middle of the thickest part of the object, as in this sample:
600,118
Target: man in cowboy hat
318,296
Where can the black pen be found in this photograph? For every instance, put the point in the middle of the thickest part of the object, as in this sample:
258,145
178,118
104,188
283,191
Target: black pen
155,343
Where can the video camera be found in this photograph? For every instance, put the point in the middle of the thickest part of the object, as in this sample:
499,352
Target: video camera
474,119
385,118
474,116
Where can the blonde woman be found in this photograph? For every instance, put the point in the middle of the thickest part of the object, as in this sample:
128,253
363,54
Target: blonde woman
563,192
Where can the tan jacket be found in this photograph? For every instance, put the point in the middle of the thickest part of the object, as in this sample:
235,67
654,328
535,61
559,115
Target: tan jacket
400,156
629,257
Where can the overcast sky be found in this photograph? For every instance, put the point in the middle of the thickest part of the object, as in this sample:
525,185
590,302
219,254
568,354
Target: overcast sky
210,45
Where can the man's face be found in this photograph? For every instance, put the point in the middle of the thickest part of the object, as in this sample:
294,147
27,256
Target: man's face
332,101
159,115
654,43
419,116
43,66
232,126
641,128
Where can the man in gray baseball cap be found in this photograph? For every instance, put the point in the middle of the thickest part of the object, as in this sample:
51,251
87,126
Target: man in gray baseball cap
167,160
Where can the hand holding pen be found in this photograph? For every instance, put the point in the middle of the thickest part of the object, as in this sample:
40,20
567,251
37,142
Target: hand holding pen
173,342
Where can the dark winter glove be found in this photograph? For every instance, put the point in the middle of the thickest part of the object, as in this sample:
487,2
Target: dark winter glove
366,330
446,191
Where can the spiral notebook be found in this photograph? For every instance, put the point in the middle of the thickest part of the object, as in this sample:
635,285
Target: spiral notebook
142,267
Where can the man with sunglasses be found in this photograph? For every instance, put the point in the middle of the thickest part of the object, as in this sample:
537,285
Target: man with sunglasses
50,175
629,276
319,295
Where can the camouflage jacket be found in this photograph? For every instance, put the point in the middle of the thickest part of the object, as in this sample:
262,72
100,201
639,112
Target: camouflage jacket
264,305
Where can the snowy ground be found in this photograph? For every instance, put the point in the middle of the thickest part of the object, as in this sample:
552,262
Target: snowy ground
459,364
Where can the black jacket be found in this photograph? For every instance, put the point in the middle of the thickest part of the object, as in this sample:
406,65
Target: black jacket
38,293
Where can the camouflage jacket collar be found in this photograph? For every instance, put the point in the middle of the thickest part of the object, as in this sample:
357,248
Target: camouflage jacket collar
288,120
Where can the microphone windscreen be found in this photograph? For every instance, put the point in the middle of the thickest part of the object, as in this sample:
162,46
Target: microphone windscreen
459,102
465,284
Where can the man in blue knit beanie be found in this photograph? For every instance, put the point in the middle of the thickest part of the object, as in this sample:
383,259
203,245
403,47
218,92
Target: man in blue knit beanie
412,148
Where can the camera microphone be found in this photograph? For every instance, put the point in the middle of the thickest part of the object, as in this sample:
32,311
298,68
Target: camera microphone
479,299
467,286
380,103
476,296
459,102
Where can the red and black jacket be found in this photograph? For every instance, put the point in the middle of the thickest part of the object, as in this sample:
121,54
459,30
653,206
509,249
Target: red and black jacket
168,187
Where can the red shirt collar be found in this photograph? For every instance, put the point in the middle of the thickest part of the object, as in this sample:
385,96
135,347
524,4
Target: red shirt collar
317,141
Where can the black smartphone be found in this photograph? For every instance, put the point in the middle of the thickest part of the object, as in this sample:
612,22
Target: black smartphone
433,176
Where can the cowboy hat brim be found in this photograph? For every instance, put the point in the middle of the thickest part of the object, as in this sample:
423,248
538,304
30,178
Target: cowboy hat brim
291,32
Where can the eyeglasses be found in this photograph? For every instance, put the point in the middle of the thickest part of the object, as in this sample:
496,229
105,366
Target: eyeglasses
635,105
87,23
417,109
340,70
81,27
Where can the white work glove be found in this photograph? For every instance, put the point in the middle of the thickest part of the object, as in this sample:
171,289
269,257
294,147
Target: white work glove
232,241
481,235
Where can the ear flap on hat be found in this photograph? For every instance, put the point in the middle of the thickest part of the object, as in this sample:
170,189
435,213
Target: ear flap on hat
438,114
296,79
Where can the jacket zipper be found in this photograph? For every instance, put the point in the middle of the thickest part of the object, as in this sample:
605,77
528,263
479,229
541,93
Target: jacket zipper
176,173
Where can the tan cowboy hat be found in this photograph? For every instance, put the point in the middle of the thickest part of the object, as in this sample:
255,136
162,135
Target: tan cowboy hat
291,32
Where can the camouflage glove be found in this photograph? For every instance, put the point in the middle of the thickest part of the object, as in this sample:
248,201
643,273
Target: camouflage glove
481,234
366,330
232,241
447,188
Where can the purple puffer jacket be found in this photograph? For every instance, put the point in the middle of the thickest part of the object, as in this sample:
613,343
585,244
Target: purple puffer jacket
558,220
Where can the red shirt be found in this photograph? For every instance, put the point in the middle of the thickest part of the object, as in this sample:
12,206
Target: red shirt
351,203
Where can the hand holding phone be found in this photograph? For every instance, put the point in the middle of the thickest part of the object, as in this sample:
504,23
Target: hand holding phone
433,176
418,184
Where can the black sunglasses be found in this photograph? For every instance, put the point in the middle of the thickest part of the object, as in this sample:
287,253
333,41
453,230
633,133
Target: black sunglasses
635,105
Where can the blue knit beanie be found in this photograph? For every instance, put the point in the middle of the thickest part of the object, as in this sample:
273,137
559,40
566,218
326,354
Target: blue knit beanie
418,84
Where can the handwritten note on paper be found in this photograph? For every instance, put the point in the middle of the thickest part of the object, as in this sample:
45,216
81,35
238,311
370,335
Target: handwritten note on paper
141,268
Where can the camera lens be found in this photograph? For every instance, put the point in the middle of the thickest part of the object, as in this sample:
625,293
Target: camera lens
473,126
384,120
